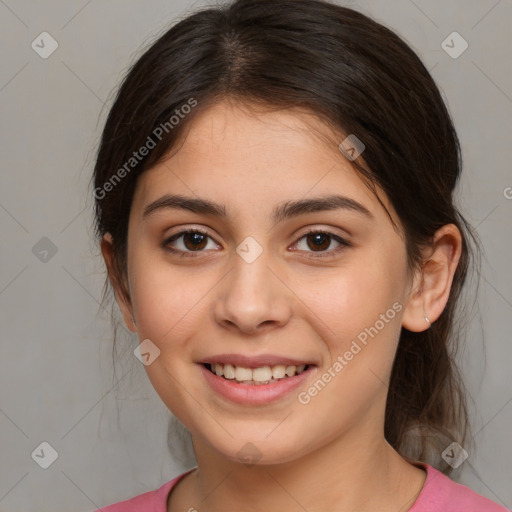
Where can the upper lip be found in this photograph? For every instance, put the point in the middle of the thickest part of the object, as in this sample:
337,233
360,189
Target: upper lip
253,361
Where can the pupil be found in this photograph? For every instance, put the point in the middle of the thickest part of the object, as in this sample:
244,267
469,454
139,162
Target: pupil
318,237
197,239
321,240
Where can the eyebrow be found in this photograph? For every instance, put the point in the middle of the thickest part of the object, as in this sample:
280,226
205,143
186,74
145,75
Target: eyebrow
283,211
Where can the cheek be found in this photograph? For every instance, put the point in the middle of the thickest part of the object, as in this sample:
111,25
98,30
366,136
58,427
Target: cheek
169,310
354,297
168,300
360,315
361,311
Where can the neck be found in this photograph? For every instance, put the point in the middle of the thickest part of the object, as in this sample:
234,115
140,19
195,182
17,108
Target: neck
356,471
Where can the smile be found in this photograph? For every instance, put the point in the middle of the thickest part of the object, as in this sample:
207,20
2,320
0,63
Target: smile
255,376
256,386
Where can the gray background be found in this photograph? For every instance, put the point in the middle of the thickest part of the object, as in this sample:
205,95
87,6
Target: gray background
56,372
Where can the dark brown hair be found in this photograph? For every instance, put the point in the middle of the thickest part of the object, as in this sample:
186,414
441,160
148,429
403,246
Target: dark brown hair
359,77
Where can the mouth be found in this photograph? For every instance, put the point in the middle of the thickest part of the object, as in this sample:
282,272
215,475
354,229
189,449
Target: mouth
262,375
256,379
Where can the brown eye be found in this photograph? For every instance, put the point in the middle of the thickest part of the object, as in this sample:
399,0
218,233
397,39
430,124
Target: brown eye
194,241
317,241
186,242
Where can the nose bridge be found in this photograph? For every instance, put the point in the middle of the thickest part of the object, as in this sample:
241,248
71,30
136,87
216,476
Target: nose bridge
251,294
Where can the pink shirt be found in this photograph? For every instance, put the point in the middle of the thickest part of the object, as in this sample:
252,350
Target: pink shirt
439,494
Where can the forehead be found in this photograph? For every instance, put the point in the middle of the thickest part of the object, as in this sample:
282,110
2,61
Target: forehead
259,130
243,154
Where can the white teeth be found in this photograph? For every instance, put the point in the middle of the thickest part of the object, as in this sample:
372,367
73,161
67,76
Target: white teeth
229,371
263,374
242,373
279,371
290,370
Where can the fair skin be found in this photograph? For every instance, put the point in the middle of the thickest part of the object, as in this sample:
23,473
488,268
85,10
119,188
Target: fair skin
328,454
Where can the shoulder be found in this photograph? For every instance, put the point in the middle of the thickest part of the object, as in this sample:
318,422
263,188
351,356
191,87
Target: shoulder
441,494
151,501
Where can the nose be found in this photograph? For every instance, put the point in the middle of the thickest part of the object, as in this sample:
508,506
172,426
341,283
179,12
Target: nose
253,297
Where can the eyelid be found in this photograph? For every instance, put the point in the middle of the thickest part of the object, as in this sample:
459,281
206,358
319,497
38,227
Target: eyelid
324,254
329,230
179,234
311,230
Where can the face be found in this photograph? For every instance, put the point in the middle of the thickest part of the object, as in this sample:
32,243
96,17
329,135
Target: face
265,284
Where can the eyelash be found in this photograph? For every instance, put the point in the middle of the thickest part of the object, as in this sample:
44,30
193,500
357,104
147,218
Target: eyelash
194,254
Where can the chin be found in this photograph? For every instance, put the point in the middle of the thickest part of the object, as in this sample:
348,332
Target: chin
259,450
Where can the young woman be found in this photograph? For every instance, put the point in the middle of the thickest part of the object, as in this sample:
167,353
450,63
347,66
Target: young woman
274,199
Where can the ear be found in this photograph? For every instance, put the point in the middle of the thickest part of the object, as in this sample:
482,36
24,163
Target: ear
122,295
432,283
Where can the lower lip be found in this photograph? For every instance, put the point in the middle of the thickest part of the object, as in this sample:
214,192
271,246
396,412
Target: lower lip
254,394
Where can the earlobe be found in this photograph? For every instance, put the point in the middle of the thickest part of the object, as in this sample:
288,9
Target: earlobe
432,283
122,296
